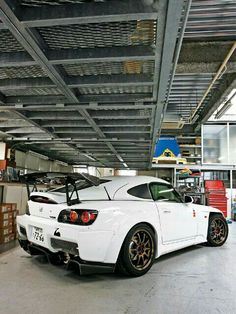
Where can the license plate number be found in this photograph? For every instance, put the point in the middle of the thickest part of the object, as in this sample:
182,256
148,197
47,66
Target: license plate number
38,234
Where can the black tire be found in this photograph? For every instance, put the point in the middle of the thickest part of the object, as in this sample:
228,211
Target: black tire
217,230
138,251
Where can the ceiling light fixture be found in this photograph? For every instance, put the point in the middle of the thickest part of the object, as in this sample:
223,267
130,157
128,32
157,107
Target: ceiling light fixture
228,104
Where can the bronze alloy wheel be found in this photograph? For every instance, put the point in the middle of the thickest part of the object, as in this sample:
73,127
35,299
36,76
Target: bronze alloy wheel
138,251
141,249
217,231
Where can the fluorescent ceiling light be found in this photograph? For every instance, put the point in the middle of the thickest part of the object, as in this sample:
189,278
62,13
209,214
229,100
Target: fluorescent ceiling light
231,100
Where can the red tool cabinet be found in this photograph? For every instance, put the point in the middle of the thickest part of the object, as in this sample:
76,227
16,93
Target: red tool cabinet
216,195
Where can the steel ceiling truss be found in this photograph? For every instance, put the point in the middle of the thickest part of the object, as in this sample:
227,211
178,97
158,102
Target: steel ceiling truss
209,35
83,79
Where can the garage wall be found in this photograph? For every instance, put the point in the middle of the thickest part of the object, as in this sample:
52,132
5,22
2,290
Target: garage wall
29,162
15,193
105,172
166,174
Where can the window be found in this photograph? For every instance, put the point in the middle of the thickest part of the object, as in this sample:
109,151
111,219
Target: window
140,191
164,192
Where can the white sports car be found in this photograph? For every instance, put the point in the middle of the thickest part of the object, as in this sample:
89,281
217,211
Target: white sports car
114,223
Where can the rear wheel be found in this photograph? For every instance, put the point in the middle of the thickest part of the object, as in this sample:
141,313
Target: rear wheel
217,230
138,251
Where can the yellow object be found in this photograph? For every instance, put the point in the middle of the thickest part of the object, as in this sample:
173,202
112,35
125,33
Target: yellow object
167,153
185,170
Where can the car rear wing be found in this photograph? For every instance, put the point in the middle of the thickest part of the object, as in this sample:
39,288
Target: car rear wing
68,179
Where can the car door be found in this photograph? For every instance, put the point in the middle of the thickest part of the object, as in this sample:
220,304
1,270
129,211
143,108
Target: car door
178,221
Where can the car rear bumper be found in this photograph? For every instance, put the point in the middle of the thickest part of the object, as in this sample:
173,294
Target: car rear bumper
80,241
75,262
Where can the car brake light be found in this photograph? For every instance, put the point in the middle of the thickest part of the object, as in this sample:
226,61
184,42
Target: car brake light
87,217
73,216
82,217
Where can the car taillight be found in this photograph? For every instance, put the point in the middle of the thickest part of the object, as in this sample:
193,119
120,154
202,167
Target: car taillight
87,217
73,216
83,217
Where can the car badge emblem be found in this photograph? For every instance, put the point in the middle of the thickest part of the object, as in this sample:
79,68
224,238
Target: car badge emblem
57,233
41,209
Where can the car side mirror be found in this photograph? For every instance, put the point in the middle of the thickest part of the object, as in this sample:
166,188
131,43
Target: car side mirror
188,199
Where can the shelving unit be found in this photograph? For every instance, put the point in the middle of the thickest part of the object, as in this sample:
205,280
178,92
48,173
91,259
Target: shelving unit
191,152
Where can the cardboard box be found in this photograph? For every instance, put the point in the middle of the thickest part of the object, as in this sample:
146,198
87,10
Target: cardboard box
6,216
5,207
6,223
7,230
13,206
7,219
7,238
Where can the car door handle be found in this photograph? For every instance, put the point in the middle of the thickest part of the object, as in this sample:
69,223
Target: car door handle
167,211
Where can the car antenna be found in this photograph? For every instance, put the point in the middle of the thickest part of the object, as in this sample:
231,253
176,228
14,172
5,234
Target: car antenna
107,194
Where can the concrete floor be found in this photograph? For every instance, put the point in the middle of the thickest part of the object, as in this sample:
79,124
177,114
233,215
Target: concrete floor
8,246
195,280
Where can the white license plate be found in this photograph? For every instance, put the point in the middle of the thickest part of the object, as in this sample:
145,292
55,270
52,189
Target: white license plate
38,234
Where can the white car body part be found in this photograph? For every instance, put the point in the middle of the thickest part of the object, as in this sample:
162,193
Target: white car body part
175,224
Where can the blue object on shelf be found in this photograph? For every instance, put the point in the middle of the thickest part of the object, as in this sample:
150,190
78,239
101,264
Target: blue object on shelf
167,146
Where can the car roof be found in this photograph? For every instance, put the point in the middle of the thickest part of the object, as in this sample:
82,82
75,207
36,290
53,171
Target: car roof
116,183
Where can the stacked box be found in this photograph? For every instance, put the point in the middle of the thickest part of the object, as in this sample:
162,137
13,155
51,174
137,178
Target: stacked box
8,214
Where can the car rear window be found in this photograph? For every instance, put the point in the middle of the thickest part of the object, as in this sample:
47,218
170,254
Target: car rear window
140,191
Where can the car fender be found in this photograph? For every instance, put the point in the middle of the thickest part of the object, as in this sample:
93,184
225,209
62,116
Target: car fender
126,223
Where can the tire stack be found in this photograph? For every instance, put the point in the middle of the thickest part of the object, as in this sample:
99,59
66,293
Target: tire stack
216,195
8,214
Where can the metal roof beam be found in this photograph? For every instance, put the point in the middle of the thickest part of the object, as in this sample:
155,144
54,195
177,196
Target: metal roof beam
28,41
16,84
37,100
171,49
80,81
115,11
105,54
110,80
69,107
101,134
74,141
110,98
103,124
78,56
228,83
33,43
15,59
24,130
13,123
58,99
